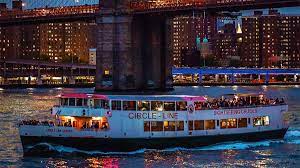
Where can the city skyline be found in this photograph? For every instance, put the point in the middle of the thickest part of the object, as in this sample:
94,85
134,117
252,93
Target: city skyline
149,83
201,40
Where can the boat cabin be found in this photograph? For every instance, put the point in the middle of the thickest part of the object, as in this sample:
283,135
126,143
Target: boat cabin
130,103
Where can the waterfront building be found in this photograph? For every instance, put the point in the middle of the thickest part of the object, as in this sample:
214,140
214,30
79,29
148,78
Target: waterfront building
226,44
67,42
184,31
55,42
271,40
10,42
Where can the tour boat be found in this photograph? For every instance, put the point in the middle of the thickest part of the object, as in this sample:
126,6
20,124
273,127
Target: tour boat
123,123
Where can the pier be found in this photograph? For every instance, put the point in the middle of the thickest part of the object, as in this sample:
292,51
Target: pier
235,76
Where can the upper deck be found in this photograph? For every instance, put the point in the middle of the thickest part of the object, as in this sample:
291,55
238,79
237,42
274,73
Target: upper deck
136,97
164,102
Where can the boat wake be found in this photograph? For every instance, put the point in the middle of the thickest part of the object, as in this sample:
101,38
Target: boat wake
291,137
59,149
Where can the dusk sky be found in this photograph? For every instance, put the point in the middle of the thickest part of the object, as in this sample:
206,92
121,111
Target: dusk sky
40,3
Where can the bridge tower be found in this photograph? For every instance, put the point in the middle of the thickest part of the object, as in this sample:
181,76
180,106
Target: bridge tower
132,50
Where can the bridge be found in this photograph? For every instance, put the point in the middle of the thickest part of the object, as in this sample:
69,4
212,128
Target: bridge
136,7
46,15
133,50
181,6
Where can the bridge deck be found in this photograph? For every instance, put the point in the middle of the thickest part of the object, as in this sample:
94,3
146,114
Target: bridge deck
136,7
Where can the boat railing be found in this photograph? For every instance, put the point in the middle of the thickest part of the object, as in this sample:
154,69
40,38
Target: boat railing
86,129
52,124
93,129
244,106
36,123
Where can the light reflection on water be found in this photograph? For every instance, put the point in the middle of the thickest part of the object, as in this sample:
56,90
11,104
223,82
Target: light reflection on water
18,104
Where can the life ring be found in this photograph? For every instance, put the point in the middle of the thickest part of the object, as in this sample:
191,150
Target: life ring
191,108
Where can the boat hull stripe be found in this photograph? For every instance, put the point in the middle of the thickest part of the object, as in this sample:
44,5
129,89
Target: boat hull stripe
133,144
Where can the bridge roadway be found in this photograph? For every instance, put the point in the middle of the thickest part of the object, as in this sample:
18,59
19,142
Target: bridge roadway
135,7
175,7
47,15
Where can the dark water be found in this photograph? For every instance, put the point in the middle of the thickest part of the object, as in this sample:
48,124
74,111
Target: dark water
35,103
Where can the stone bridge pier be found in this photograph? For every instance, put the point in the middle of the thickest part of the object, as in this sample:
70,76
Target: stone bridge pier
133,51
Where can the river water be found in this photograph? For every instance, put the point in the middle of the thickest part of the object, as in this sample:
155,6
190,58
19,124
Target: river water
35,103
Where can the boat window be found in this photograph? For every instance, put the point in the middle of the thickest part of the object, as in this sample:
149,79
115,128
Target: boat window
64,101
169,125
181,106
79,102
143,106
104,104
198,105
85,102
261,121
179,125
191,125
157,126
266,120
75,124
98,103
242,122
72,102
232,123
209,124
229,123
157,106
257,121
116,105
146,126
95,124
199,124
169,106
223,124
68,123
129,105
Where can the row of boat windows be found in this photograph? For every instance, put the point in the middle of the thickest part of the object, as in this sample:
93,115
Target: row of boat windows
205,124
127,105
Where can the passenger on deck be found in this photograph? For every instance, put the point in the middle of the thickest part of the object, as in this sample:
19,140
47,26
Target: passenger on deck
282,101
104,126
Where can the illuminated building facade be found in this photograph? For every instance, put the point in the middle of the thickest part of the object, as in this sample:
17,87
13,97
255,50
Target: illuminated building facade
226,44
185,30
271,40
55,42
